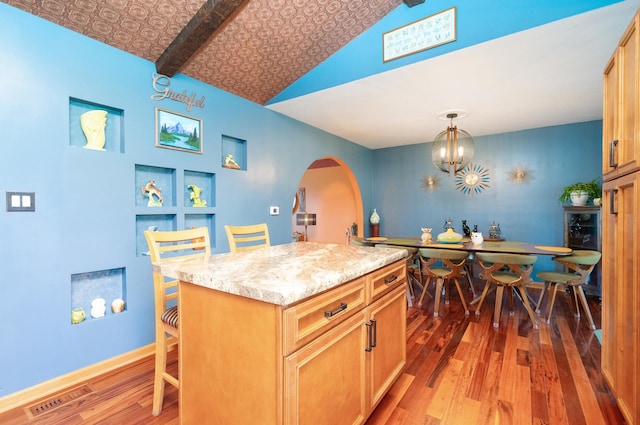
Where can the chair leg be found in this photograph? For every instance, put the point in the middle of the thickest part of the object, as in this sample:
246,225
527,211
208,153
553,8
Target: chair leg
468,268
464,303
436,308
552,300
498,306
512,307
482,297
575,300
525,301
424,291
585,305
160,366
545,285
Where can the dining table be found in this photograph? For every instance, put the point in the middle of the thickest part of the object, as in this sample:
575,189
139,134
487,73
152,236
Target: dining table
496,246
501,246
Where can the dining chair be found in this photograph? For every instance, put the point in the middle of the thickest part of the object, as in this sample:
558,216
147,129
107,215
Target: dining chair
412,268
511,271
247,238
443,266
581,263
180,244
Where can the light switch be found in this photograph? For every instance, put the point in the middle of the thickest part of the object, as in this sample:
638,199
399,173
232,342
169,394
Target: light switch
21,201
274,210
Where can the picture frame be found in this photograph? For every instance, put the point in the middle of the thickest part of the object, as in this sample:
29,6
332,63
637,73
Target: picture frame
424,34
178,131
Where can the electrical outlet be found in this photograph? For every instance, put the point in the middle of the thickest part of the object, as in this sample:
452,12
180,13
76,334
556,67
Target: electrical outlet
274,210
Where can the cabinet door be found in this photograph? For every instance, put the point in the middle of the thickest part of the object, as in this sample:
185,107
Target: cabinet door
389,355
325,380
621,139
621,316
610,119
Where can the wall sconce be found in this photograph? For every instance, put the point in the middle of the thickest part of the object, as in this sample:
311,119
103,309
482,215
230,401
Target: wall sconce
305,219
452,148
430,182
521,174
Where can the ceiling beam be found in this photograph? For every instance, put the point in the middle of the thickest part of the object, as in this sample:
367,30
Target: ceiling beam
211,16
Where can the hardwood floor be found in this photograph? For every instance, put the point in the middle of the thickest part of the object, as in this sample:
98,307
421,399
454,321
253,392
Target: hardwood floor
460,370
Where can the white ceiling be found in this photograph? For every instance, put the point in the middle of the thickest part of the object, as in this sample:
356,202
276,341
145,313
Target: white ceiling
549,75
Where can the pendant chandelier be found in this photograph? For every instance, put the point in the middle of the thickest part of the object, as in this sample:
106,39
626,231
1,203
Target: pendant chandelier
452,148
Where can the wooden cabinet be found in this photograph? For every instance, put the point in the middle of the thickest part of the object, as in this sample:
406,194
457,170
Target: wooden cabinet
621,141
621,292
621,226
327,359
583,230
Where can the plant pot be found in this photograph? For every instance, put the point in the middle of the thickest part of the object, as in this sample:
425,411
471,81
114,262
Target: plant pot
579,199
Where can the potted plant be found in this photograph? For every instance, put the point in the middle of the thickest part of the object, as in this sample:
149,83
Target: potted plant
580,193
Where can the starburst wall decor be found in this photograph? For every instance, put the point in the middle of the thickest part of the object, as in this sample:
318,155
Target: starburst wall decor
472,179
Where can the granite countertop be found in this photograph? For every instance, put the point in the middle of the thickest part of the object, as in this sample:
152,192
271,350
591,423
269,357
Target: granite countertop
281,274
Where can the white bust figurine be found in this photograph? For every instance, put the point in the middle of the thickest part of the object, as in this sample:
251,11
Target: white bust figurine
93,124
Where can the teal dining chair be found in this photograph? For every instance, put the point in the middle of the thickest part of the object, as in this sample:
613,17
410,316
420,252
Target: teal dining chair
511,271
580,264
443,266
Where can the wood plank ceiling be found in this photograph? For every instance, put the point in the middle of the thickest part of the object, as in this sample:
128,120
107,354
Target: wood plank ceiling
252,48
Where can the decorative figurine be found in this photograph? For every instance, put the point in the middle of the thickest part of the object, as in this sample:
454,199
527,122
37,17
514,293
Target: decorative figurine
117,306
475,228
195,196
465,229
476,238
78,315
426,234
98,308
448,224
154,194
93,124
494,231
229,162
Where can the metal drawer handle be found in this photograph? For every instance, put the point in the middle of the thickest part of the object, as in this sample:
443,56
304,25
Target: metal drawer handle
374,340
369,326
391,279
612,147
342,307
612,201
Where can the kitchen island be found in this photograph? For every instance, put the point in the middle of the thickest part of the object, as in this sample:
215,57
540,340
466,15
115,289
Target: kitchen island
302,333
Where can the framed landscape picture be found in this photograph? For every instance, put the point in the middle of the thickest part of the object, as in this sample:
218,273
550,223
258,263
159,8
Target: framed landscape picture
178,131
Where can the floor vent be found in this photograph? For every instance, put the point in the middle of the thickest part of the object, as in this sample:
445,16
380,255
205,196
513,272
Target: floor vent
57,401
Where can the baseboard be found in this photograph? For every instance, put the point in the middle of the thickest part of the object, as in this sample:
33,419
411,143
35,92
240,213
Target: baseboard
59,383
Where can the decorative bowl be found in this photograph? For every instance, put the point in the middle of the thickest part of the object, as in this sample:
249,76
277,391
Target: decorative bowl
449,237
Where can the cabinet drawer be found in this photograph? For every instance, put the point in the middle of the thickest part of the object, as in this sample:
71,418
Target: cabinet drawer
309,319
386,279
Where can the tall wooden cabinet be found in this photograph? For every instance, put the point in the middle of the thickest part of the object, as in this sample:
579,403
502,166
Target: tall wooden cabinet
621,225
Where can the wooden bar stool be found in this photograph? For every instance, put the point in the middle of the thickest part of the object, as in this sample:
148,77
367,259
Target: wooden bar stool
581,262
442,265
191,243
512,271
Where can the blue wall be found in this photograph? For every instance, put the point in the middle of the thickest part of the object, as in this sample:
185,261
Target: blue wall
85,218
558,156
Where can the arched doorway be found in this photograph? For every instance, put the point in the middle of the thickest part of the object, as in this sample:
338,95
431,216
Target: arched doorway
329,189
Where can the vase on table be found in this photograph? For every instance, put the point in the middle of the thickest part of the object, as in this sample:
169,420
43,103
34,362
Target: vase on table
374,219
